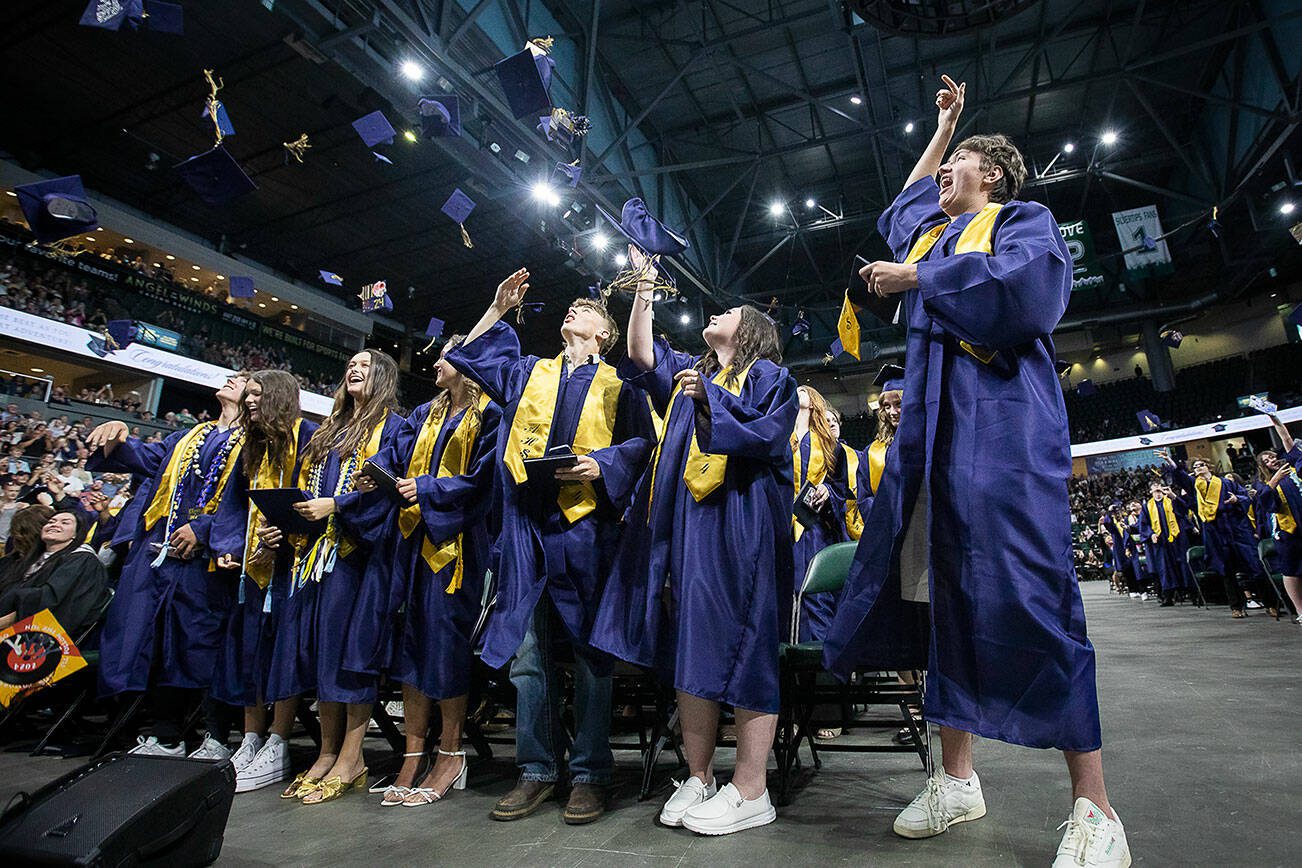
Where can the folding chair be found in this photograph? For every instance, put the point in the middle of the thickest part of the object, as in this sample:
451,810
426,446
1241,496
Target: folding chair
1266,552
1196,557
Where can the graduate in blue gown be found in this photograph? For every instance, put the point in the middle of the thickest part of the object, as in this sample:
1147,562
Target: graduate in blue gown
1161,527
327,574
444,460
983,279
702,584
1280,503
168,616
558,535
276,437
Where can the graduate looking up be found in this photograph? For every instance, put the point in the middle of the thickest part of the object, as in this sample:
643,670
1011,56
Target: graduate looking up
558,535
983,450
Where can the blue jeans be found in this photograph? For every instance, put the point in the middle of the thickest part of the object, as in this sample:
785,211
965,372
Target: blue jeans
541,740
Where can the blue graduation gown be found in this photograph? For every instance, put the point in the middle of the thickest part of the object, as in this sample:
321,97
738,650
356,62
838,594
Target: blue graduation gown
429,646
1165,558
1288,544
1118,541
1009,657
816,610
541,551
1228,539
167,619
244,660
308,651
702,592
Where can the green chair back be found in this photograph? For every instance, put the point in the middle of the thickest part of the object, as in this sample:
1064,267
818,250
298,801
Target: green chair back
828,570
1266,551
1196,557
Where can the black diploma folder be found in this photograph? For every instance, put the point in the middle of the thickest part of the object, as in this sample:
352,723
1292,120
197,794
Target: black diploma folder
277,506
544,469
385,482
804,513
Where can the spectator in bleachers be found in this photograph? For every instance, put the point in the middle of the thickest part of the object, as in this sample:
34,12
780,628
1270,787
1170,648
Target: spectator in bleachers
60,574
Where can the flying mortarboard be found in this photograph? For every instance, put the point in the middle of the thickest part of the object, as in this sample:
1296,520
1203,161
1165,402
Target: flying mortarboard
571,173
1062,366
526,81
56,208
532,307
1172,338
800,328
214,109
833,351
112,14
458,208
645,232
241,287
375,129
433,331
858,297
375,296
381,158
440,116
330,277
563,126
890,378
1148,421
215,176
165,17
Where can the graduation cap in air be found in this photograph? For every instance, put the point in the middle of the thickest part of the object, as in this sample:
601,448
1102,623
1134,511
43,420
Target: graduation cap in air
330,277
563,126
381,158
800,328
458,208
375,296
1062,366
834,350
440,116
1149,421
164,17
241,287
859,298
217,111
529,307
375,129
890,378
112,14
57,208
645,232
215,176
433,331
526,81
1085,388
568,174
1172,338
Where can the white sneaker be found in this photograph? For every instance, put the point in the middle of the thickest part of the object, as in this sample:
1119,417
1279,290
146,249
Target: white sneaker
1092,839
210,749
728,811
943,803
152,747
1134,595
1253,604
247,750
689,794
269,766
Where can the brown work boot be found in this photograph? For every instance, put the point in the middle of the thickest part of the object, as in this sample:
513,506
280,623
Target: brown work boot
587,803
522,801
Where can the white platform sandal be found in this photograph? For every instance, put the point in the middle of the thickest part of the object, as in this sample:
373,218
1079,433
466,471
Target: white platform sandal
418,797
395,795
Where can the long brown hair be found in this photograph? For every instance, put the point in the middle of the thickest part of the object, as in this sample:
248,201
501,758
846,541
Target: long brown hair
819,428
756,338
1262,470
271,435
351,422
442,402
885,430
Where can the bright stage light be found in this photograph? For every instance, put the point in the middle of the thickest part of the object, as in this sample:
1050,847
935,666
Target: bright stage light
1109,137
543,192
908,128
810,204
1068,148
856,99
600,241
775,208
621,259
1287,207
412,70
685,319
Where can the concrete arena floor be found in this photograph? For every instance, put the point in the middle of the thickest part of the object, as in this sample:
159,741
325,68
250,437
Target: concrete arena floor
1200,718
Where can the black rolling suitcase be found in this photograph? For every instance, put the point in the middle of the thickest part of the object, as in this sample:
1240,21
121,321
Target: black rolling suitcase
123,810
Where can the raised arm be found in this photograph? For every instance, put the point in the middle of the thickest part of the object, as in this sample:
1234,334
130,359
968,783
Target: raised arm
510,293
641,344
1282,430
949,105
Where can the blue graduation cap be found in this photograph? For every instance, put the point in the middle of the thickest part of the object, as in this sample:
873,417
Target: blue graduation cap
568,173
215,176
241,287
375,129
1148,421
56,208
1219,427
1085,388
834,351
330,277
375,296
645,232
119,333
526,81
217,111
163,17
112,14
440,116
1172,338
530,307
890,378
1144,441
563,126
458,208
433,331
800,328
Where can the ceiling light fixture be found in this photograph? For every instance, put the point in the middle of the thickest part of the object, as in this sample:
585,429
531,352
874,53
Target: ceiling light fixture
1109,137
775,208
856,99
412,71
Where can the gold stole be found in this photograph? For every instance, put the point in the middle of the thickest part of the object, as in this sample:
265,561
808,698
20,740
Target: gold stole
1284,517
454,461
532,425
182,455
853,518
1209,497
876,464
817,471
268,476
1172,528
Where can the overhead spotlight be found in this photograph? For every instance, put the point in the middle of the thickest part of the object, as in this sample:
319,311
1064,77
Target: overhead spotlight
810,204
1109,137
856,99
495,147
1287,207
543,192
1068,148
293,307
195,267
128,240
908,128
621,259
412,70
600,241
685,319
89,238
775,208
410,135
221,277
170,257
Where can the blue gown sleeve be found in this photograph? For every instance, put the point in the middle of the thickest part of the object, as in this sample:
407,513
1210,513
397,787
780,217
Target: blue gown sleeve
363,514
633,439
1145,524
453,503
658,382
134,456
757,424
1016,295
1184,481
397,455
231,520
916,207
494,361
1267,500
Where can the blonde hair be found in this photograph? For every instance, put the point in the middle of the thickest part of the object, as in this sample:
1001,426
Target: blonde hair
819,428
442,403
600,309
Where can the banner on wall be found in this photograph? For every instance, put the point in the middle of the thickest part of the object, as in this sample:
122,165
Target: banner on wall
1140,232
1116,461
1085,270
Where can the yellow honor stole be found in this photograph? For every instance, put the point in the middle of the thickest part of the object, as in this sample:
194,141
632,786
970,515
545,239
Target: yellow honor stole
853,518
183,455
876,464
1209,497
1172,528
268,476
532,425
1284,517
815,473
704,471
454,461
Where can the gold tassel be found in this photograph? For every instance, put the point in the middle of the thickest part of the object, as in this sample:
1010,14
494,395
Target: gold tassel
465,236
297,147
630,279
543,44
214,85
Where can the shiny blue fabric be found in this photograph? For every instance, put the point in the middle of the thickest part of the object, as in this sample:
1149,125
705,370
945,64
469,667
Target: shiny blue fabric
816,610
1009,657
168,620
244,659
1165,559
541,552
702,592
1228,539
311,632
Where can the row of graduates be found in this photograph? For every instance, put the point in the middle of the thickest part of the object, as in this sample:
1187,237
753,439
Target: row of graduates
669,544
1198,507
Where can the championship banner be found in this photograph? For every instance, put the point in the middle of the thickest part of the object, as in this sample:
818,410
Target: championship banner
1085,271
1140,232
34,653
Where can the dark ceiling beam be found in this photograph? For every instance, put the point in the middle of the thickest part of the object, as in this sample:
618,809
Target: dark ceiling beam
468,22
664,92
1154,188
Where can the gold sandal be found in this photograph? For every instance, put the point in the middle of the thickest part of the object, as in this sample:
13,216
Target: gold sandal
334,788
300,786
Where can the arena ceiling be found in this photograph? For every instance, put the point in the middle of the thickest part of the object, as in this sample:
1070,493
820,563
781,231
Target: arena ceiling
735,113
